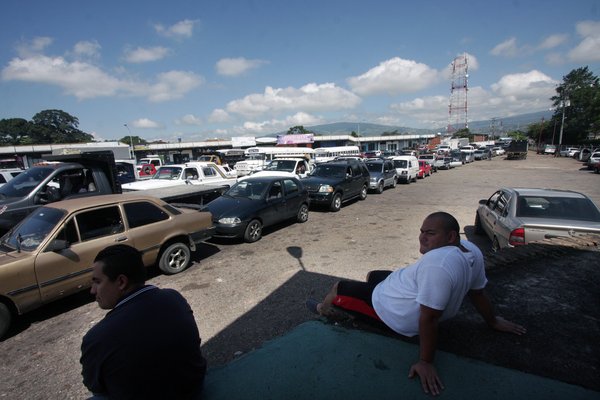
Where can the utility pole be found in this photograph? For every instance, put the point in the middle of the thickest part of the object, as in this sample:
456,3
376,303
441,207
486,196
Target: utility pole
131,151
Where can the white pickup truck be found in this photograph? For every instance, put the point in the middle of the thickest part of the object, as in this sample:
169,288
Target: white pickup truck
293,166
192,173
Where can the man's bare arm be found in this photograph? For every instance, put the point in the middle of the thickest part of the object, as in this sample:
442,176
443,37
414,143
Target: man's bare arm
428,331
484,307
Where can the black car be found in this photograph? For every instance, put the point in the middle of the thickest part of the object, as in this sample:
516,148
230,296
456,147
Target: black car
256,202
335,182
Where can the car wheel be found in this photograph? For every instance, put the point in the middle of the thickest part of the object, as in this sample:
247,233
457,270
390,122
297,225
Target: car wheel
495,244
174,258
380,188
478,227
394,183
363,192
253,231
336,202
5,319
302,213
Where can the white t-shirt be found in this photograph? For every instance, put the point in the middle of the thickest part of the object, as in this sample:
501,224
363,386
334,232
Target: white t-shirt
440,279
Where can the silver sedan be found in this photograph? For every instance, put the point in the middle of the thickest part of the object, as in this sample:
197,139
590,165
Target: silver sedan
517,216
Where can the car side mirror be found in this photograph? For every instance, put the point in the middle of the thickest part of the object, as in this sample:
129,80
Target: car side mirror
58,245
483,201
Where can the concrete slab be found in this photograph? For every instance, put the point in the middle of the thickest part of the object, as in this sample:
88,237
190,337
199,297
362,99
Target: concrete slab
319,360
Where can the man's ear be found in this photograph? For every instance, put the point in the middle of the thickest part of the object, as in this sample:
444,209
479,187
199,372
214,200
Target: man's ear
453,237
122,282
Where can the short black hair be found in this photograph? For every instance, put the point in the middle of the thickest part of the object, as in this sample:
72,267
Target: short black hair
448,221
121,259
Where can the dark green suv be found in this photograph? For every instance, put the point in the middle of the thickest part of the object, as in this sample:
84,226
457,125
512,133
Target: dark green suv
336,182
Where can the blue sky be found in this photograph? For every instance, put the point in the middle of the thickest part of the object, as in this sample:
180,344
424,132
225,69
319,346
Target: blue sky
218,69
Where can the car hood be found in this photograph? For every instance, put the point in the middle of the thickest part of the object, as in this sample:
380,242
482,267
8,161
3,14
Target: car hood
283,174
313,182
14,256
226,206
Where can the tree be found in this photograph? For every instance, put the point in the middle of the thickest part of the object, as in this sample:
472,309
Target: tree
463,133
298,130
540,132
13,131
582,110
57,126
136,140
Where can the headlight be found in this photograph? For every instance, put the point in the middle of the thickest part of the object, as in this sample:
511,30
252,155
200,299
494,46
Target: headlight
230,221
373,179
325,189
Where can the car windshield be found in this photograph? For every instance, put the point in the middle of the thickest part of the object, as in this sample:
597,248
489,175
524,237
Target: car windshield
400,163
25,182
33,230
249,189
330,171
375,167
281,165
580,209
169,173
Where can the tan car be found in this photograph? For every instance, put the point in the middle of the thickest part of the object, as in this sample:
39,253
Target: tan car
49,254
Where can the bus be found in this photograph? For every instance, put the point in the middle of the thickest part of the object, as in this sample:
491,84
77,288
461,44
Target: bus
324,154
258,157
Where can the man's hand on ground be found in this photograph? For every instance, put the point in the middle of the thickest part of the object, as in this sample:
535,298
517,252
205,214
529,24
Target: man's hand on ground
502,325
430,381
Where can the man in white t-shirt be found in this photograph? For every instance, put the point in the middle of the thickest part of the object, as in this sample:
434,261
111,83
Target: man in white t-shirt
413,300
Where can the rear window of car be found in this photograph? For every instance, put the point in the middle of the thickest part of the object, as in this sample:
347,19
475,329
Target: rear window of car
580,209
143,213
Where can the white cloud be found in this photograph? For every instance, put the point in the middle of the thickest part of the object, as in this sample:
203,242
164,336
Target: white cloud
394,76
553,41
85,48
172,85
181,29
189,119
588,50
531,84
146,123
141,54
508,48
34,47
219,115
310,97
274,125
237,66
84,80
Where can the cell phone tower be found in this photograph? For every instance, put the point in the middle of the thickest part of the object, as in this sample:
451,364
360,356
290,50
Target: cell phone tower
458,107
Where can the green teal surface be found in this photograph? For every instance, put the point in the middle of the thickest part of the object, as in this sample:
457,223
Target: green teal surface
323,361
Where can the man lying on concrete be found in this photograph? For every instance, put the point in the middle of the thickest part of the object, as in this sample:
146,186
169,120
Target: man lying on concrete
413,300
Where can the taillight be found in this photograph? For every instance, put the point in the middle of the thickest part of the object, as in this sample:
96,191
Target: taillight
517,237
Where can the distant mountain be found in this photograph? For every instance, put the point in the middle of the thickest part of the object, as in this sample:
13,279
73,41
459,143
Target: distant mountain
497,125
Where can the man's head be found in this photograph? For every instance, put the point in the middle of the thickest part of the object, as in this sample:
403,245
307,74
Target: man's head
117,270
438,230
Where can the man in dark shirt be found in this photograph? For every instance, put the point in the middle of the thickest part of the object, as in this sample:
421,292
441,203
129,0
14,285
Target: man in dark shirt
148,345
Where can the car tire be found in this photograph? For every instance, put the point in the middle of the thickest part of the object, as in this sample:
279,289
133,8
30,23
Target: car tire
394,183
363,192
175,258
253,231
380,187
5,319
478,227
302,215
336,202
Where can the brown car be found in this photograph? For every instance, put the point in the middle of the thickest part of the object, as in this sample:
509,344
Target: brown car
49,254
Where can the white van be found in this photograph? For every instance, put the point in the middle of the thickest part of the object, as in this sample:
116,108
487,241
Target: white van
407,168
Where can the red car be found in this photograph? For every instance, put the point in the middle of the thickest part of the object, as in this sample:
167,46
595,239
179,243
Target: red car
424,169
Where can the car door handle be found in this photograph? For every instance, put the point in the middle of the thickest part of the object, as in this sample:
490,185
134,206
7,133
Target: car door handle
121,239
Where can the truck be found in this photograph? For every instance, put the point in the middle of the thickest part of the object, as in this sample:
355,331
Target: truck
57,178
517,150
188,174
298,167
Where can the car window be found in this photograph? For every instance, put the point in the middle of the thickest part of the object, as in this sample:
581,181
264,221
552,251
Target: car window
290,186
99,222
355,169
493,199
275,191
143,213
2,180
502,204
209,171
191,173
68,233
557,208
34,229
